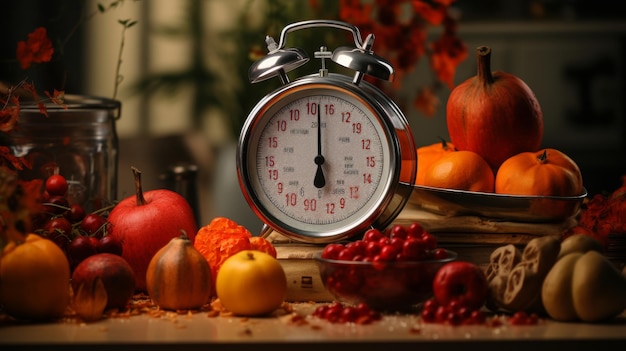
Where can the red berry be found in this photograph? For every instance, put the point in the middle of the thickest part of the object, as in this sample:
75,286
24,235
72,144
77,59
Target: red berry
372,235
331,251
93,224
415,230
413,249
56,185
398,231
440,253
94,242
477,317
76,213
372,248
59,230
464,312
430,304
429,241
453,318
58,225
383,241
357,247
428,316
56,205
336,312
80,248
441,314
397,243
109,244
388,252
333,313
345,255
349,314
522,318
320,311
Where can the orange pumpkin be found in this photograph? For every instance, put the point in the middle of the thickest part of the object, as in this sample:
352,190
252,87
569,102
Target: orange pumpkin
548,172
427,155
178,276
34,279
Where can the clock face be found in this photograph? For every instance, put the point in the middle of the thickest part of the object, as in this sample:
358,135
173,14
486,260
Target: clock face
318,159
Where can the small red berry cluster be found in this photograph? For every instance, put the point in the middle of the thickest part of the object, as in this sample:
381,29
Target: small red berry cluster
452,313
524,318
336,312
455,314
399,243
77,233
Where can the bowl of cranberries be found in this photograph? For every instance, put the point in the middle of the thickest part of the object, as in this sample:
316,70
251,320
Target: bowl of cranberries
387,270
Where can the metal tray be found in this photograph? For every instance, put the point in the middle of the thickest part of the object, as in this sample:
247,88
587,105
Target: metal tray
522,208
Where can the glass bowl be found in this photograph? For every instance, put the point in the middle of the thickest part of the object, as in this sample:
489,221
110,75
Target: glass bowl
397,285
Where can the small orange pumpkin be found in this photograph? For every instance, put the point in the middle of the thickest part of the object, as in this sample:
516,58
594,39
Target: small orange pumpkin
547,172
427,155
34,279
178,276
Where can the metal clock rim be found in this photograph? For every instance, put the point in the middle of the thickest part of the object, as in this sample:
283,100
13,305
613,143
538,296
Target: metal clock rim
395,194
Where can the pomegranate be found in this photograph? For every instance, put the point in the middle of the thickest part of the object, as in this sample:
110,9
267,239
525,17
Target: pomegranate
494,114
116,275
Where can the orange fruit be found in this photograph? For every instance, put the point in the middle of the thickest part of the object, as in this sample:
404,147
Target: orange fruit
35,277
461,170
428,154
547,172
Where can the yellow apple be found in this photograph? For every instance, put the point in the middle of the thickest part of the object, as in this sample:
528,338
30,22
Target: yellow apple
251,283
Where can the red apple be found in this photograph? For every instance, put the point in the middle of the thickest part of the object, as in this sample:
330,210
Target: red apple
146,222
115,273
461,282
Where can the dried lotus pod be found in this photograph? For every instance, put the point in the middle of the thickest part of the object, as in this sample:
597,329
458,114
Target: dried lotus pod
540,254
502,261
523,288
495,292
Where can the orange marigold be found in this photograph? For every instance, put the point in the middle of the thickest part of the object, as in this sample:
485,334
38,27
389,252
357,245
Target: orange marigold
222,238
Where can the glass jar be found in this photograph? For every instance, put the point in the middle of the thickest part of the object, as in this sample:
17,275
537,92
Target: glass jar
78,141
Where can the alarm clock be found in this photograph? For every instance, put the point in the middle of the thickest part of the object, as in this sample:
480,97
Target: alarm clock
326,156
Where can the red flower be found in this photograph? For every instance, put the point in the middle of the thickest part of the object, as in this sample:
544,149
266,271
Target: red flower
448,52
433,12
37,49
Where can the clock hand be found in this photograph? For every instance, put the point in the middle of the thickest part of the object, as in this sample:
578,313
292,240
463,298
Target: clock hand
319,181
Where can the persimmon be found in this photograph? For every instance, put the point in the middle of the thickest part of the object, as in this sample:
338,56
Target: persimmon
34,279
461,170
428,154
547,172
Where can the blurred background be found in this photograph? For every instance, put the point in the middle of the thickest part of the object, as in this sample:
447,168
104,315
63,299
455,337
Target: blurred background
185,94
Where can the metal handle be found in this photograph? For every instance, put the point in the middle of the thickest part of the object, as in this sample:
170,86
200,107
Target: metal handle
356,34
